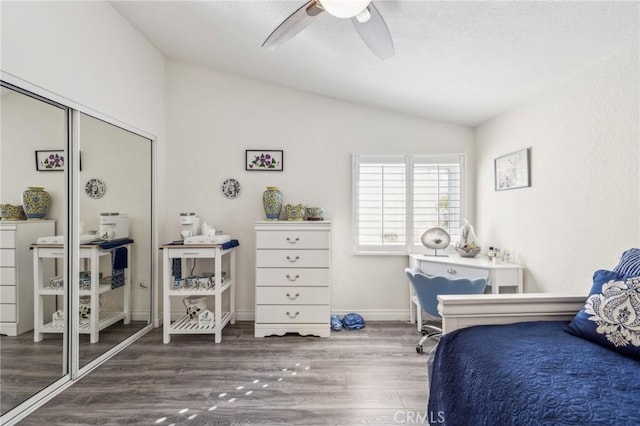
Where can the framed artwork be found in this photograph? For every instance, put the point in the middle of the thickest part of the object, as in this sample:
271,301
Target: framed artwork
267,160
513,170
50,160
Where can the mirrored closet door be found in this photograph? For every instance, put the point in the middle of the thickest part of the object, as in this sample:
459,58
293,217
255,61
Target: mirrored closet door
33,218
69,174
116,209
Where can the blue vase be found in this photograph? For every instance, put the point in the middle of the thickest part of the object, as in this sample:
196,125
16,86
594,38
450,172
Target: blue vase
272,202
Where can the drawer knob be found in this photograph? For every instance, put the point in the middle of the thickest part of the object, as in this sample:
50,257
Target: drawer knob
294,297
452,271
293,241
294,278
294,315
295,259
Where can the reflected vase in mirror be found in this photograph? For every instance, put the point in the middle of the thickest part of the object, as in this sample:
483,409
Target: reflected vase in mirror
35,201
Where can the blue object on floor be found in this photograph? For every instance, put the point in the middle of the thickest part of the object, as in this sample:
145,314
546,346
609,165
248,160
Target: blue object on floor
353,321
336,323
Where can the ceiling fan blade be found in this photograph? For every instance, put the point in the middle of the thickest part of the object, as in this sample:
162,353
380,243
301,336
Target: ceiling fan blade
294,24
375,33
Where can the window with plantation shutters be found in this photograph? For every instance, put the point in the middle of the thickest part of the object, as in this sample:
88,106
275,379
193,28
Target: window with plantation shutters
397,198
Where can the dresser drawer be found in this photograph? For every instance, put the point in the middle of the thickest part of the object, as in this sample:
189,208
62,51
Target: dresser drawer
294,314
292,239
7,294
453,271
8,312
7,239
292,295
7,258
293,276
7,276
292,258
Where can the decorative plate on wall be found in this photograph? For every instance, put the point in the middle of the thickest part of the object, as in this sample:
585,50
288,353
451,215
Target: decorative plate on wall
231,188
95,188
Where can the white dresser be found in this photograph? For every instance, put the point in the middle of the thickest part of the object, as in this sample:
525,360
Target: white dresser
500,275
16,272
293,278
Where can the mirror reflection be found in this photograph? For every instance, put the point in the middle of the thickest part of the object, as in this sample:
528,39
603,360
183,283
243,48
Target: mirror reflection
33,140
115,214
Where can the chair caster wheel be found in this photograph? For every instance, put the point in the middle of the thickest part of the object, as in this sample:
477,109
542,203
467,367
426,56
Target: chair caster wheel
419,349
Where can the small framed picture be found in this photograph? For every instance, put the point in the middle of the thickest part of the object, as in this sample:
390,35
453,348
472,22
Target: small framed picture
52,160
267,160
512,170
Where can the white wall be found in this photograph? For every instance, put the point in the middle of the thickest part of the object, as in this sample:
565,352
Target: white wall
583,207
28,125
212,117
87,53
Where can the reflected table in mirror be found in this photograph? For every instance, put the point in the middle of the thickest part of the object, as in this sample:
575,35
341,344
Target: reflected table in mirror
95,320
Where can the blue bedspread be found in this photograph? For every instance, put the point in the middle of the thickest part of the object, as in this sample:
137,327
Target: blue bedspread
531,373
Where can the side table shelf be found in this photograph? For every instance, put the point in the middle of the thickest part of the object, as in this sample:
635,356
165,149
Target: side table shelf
188,253
97,320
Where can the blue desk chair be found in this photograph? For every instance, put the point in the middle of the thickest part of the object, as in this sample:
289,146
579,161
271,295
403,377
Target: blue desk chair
429,287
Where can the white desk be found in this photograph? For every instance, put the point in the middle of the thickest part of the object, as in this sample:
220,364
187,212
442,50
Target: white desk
97,320
499,274
188,253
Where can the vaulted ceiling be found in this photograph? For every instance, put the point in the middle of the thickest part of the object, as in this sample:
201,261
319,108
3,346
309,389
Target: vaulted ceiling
460,62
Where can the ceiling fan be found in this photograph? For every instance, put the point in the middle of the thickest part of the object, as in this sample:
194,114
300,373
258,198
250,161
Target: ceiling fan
364,15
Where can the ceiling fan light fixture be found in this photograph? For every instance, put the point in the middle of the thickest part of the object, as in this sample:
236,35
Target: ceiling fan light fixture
364,16
344,8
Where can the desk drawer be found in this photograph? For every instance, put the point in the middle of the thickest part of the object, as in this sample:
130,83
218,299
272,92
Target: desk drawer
506,277
7,258
292,258
293,276
294,314
453,271
292,240
292,295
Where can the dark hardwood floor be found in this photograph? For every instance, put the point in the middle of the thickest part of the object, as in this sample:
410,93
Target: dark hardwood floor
368,376
27,366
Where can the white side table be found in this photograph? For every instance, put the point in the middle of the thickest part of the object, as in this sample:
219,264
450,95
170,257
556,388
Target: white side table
499,275
97,320
188,254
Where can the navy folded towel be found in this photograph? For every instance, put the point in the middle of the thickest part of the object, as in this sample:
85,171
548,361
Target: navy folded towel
120,263
120,258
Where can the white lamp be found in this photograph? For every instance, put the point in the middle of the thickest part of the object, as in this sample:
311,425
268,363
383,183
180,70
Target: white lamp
345,8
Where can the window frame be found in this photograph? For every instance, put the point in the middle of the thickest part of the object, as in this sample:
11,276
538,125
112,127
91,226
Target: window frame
408,160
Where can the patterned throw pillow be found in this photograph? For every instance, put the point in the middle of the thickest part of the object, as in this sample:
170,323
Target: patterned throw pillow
629,263
611,315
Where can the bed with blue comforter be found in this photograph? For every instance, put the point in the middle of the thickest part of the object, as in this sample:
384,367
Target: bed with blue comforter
531,373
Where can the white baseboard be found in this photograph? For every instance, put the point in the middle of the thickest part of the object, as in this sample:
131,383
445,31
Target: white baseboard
367,314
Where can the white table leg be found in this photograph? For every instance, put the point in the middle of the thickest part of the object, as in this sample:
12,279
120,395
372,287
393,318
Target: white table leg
232,294
218,297
38,320
94,317
127,289
166,304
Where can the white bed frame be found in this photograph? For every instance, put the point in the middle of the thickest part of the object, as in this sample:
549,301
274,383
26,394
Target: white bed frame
484,309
